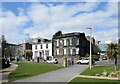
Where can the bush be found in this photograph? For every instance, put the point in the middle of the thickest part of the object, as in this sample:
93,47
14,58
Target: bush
113,74
105,74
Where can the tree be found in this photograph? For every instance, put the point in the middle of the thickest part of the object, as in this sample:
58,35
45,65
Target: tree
113,52
9,52
29,55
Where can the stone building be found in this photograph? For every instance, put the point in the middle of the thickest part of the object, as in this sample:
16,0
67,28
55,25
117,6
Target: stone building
72,45
95,48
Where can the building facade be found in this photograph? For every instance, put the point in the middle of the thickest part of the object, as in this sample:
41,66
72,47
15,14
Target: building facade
41,48
70,44
26,47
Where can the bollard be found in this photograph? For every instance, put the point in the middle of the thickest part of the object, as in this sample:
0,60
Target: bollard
65,61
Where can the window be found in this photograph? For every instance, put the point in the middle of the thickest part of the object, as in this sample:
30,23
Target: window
47,52
57,42
36,53
77,42
77,50
46,46
57,51
70,41
35,46
39,40
64,51
64,42
41,46
71,51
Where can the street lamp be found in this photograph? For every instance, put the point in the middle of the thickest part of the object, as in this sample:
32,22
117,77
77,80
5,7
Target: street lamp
90,58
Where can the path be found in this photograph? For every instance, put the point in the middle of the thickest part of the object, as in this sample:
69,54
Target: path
60,75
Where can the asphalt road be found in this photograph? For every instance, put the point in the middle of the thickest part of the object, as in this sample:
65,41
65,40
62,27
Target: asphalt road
104,63
60,75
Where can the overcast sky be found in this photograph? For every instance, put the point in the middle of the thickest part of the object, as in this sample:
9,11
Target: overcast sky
43,19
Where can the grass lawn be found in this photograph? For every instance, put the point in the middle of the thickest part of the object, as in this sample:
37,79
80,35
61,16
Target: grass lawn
92,72
98,70
25,70
79,80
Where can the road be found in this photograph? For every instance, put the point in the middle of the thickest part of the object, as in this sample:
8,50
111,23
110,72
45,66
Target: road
105,63
60,75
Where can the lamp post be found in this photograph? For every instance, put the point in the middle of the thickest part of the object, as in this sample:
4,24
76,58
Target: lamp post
90,58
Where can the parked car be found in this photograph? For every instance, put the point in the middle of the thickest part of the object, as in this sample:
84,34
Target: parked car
53,61
83,61
104,58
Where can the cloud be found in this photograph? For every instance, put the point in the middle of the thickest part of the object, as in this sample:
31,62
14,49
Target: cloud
45,20
108,35
12,25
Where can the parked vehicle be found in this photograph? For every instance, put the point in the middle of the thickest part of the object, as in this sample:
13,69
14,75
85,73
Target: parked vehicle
53,61
83,61
104,58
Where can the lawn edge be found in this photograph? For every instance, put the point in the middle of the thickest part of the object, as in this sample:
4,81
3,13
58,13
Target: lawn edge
96,77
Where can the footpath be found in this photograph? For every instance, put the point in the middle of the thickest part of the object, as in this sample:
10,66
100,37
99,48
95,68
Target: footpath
4,73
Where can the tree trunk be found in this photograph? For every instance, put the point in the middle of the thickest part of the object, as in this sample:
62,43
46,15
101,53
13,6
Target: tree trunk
116,64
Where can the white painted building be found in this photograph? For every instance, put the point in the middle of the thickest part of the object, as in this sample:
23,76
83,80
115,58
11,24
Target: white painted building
41,48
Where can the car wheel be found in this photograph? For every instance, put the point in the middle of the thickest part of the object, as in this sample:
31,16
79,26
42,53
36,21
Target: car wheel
78,63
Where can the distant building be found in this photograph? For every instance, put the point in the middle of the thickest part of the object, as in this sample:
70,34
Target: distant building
92,39
103,49
41,48
72,45
26,47
108,42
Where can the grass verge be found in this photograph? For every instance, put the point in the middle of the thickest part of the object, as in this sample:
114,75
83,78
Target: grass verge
98,70
25,70
79,80
92,72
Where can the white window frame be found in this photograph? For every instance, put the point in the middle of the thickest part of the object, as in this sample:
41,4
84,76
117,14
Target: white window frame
57,51
57,42
65,51
70,41
71,51
47,52
77,50
77,42
41,46
36,47
46,46
36,54
65,42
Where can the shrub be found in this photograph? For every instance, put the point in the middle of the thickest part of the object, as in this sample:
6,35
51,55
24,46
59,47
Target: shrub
113,74
105,74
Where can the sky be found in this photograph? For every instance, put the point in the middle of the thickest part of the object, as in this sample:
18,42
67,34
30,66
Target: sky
44,19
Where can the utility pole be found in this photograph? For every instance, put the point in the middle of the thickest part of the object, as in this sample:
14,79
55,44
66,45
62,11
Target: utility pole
90,58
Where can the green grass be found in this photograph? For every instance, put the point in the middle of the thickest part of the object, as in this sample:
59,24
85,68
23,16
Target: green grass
92,72
25,70
98,70
79,80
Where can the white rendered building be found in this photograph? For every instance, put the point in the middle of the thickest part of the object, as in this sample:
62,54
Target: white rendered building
41,48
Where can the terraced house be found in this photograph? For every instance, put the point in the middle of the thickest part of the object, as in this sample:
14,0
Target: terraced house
41,48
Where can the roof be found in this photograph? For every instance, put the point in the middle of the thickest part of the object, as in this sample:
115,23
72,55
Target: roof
60,35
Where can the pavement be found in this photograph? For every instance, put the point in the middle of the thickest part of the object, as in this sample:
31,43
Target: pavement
4,73
60,75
